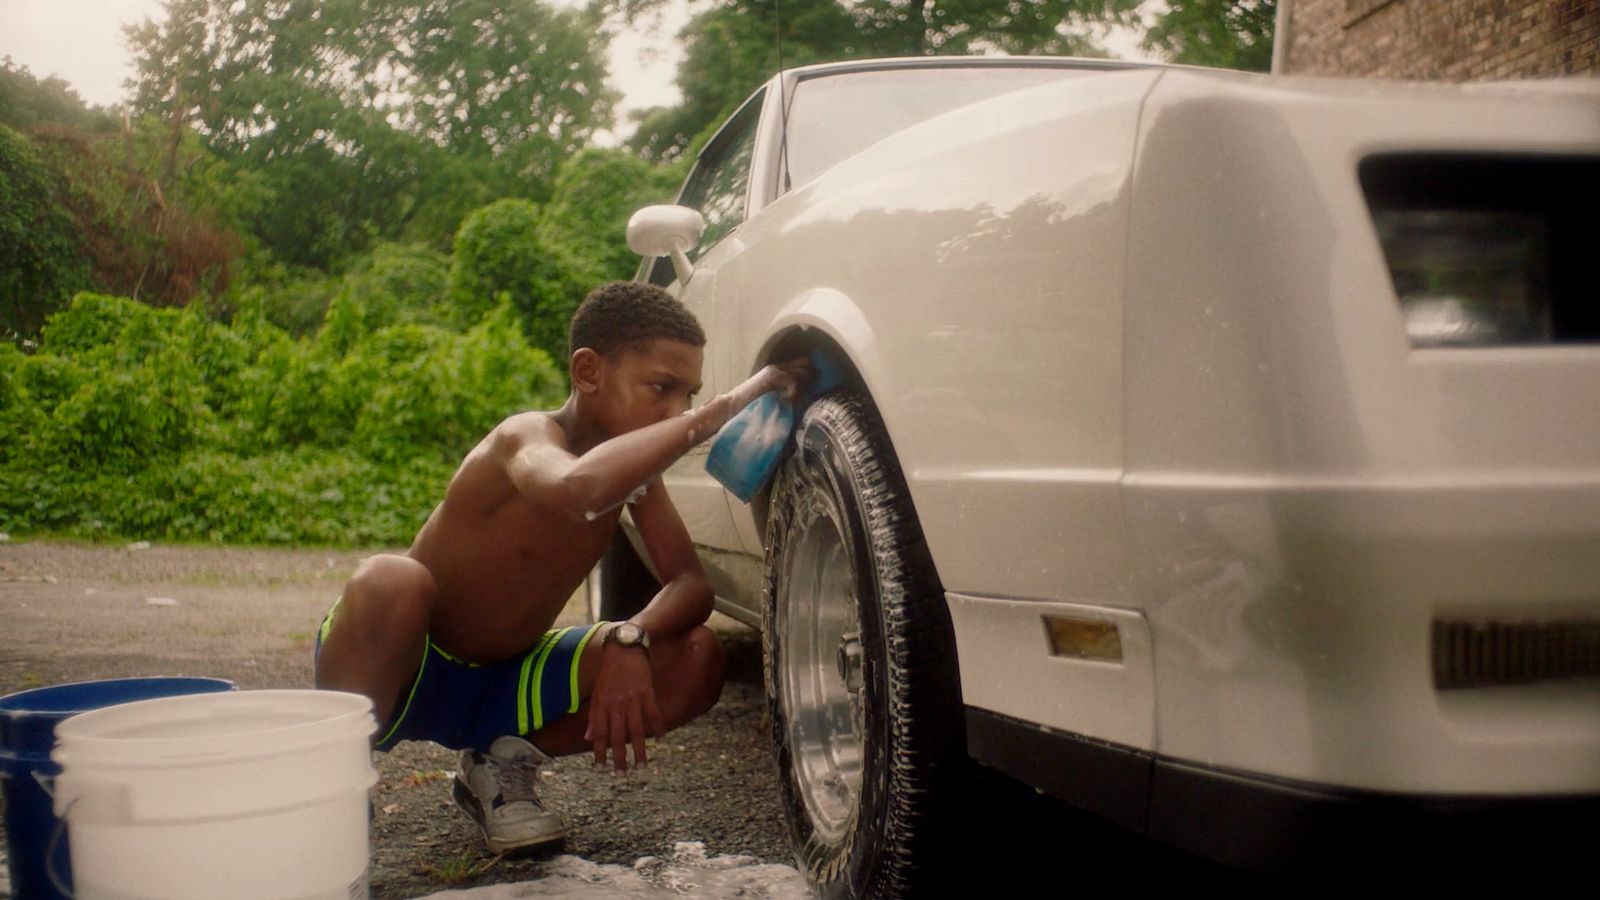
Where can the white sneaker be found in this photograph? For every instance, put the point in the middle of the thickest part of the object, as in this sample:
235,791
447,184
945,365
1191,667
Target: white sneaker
497,790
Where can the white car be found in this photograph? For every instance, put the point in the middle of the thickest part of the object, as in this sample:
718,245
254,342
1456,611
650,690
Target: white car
1220,453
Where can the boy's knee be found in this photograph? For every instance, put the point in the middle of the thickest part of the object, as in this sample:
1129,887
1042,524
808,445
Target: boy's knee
393,577
708,661
388,593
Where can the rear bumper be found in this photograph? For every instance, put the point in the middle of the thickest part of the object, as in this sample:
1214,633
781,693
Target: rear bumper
1294,628
1279,825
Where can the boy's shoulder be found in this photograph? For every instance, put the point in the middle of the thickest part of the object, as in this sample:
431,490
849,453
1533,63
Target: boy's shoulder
526,429
483,476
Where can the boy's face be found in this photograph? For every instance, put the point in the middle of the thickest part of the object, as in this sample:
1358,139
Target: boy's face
648,384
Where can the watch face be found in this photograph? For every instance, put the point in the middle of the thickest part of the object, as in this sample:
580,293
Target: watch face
628,634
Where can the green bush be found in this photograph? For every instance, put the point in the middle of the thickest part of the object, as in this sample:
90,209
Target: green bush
162,424
498,252
392,284
400,283
456,389
95,322
293,299
19,416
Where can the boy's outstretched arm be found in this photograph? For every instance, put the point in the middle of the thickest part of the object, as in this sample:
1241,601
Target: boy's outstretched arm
600,480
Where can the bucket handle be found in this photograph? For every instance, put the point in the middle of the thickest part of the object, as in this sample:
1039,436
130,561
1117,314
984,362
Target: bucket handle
55,843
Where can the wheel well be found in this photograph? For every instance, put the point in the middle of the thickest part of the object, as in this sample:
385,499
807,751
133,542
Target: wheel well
800,341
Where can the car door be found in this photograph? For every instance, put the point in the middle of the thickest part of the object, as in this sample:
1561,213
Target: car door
718,187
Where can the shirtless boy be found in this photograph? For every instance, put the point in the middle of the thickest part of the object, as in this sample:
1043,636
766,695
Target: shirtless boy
452,640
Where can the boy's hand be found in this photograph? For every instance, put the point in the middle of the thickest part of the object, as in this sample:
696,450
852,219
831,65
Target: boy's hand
795,376
622,709
787,378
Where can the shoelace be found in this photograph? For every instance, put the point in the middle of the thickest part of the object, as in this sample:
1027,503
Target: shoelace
516,779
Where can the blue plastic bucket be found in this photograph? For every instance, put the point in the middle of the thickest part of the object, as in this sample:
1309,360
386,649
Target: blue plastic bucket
27,732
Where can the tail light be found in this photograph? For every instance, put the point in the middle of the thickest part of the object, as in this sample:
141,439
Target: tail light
1489,251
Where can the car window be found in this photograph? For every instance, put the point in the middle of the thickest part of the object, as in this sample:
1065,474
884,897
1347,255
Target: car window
718,185
833,117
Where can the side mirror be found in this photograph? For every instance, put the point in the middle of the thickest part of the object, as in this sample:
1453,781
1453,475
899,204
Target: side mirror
667,230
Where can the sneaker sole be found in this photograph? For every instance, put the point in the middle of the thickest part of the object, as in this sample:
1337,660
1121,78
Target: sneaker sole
468,802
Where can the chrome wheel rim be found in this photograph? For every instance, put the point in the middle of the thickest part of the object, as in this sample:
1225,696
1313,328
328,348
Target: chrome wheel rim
823,669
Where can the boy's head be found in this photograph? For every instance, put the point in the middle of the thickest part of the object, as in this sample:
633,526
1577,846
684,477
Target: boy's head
636,355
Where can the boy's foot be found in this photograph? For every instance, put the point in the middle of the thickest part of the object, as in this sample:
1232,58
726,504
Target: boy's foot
497,789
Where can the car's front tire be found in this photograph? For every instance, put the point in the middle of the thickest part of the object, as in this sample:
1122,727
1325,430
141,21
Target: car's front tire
862,686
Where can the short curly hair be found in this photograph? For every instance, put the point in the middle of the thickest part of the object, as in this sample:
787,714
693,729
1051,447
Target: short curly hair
625,314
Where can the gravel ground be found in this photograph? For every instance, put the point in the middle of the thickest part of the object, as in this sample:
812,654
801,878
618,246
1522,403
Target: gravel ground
72,612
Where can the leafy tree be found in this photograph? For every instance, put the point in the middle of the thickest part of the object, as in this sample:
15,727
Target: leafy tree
266,84
26,101
140,240
519,82
1235,34
449,187
347,107
728,51
40,252
922,27
730,48
596,192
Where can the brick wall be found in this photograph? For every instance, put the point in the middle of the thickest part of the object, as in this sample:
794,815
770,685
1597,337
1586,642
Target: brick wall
1453,40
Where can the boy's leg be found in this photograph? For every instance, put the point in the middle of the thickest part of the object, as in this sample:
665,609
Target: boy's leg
687,672
497,787
378,633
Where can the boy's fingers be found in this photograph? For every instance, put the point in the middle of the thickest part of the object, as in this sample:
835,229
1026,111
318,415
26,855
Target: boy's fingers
636,728
619,741
597,739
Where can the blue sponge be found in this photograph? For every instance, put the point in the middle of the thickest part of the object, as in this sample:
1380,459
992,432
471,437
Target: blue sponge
828,374
745,453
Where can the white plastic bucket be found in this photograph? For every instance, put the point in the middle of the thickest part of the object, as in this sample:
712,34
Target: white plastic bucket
255,794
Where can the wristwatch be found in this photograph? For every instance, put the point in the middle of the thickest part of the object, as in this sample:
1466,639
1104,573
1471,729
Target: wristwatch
628,634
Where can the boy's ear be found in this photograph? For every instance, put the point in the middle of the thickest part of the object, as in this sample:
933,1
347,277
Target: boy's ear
585,368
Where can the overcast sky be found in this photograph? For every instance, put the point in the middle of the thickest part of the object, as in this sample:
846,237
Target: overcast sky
81,40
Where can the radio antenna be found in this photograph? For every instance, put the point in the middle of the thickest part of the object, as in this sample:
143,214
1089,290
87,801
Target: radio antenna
783,102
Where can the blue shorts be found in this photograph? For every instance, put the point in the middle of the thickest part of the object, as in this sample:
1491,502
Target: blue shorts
465,705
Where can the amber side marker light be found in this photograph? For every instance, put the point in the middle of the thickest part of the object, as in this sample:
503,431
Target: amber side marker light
1083,638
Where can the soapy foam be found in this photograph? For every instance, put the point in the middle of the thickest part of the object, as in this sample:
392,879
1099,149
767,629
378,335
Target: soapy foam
688,873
